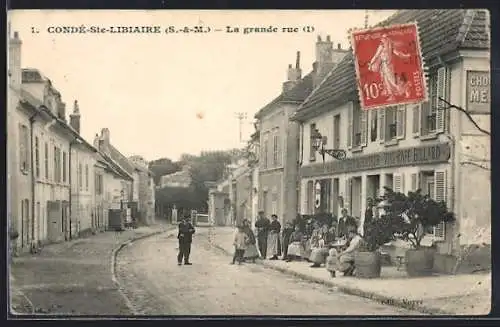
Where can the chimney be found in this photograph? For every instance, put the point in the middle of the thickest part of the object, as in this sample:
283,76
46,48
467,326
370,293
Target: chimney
14,69
324,50
74,118
294,74
105,136
96,141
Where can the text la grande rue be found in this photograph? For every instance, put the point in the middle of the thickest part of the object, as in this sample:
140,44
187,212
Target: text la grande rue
261,29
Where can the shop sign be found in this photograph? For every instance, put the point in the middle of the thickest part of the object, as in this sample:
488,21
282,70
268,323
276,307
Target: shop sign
478,91
421,155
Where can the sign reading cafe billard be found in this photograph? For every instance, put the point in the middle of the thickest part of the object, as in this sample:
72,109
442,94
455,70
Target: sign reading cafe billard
389,66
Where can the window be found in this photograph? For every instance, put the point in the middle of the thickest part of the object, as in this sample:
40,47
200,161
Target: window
37,157
336,132
373,125
46,155
312,152
434,183
265,152
432,116
276,149
57,164
358,126
394,119
80,176
86,177
98,184
24,148
64,167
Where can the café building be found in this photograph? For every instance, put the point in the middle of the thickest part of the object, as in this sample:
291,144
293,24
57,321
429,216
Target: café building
426,146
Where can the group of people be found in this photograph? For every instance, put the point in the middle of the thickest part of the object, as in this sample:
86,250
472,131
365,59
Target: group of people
293,244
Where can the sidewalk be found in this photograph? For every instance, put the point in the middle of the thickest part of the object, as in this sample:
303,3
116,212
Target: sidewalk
73,277
444,294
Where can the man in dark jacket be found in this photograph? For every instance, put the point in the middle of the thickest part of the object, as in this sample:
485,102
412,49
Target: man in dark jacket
185,237
262,224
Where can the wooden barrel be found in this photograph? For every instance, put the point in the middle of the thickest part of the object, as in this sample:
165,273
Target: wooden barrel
368,264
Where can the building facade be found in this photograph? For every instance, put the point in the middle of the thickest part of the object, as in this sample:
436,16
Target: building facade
145,189
411,147
279,137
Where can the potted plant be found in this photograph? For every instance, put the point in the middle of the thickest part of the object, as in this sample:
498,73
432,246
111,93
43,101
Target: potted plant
368,259
411,215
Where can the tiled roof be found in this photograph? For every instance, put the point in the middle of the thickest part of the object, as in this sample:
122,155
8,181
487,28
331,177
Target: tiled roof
296,94
116,167
29,98
439,31
121,160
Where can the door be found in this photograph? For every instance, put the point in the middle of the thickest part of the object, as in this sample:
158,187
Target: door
65,225
54,228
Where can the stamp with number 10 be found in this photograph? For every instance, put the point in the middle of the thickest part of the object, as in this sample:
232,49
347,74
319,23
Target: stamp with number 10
389,66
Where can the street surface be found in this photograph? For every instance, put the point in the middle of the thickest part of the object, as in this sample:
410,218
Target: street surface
156,285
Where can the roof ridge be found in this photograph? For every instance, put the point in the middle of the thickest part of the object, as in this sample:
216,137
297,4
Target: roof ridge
323,80
467,21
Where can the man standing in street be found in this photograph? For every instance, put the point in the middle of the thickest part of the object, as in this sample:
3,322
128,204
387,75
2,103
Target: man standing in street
262,224
185,237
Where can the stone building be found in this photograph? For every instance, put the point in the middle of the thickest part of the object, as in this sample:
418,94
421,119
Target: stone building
415,146
145,189
279,137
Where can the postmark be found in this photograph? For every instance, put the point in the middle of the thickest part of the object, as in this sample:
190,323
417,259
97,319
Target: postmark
389,66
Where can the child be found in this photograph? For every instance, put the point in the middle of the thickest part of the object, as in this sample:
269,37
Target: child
240,245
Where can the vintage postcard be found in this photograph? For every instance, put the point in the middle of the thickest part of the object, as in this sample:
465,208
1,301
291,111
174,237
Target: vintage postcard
264,162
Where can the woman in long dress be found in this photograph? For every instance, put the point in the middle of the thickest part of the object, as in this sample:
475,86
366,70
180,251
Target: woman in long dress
251,252
296,247
273,238
320,247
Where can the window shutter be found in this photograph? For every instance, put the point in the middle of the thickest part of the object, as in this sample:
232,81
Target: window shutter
401,122
381,124
416,120
22,146
363,126
350,125
440,188
414,182
398,183
425,110
441,93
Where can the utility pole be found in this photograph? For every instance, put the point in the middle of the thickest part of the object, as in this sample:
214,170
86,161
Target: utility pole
241,116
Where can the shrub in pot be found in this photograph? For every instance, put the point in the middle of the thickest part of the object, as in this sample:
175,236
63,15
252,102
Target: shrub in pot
411,215
367,259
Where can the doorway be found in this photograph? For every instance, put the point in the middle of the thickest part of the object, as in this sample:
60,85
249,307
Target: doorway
356,197
372,186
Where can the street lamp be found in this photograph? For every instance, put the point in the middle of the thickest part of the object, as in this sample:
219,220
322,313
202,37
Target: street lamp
319,141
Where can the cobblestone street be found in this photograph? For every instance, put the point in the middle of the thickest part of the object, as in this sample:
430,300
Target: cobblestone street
148,271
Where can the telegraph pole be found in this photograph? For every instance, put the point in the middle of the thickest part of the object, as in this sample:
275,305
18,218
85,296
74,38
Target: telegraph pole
241,116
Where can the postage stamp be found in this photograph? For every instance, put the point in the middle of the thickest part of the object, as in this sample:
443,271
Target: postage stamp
389,66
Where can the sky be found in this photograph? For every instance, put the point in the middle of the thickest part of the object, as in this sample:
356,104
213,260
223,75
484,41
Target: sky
162,95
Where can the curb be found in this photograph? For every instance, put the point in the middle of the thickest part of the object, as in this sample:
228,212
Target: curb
387,300
114,255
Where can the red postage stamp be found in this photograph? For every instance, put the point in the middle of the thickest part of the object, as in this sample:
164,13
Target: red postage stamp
389,66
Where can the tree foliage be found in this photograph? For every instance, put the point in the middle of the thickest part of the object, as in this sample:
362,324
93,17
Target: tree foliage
162,166
209,166
410,215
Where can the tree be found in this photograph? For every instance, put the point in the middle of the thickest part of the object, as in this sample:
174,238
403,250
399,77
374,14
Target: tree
162,166
410,215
